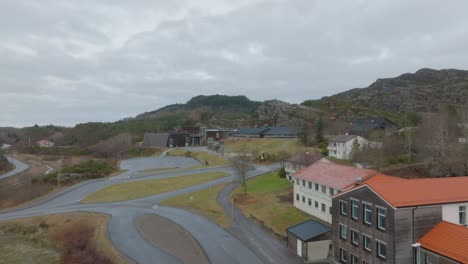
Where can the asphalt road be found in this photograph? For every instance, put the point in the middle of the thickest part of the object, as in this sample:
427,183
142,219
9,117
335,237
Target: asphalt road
19,167
219,245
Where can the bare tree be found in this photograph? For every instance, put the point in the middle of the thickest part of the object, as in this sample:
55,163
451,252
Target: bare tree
242,163
116,146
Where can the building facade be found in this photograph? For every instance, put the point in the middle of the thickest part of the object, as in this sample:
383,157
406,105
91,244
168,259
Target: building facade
299,162
341,146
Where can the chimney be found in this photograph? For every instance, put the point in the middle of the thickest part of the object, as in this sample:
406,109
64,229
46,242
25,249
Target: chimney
346,134
358,181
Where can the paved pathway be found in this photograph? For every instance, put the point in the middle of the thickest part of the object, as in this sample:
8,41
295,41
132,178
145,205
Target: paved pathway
219,245
19,167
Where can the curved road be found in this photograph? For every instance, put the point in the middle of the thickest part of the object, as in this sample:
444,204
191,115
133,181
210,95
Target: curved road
219,245
19,167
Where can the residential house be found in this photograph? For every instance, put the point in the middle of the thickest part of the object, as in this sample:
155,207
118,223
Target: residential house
300,161
393,220
310,240
341,146
373,126
266,132
314,186
156,140
44,143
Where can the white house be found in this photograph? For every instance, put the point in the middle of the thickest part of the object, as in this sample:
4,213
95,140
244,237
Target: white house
45,143
299,162
314,186
340,146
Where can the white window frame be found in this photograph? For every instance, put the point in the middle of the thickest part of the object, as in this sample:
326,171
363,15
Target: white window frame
354,204
343,202
324,189
309,202
343,258
365,246
324,208
316,187
364,211
345,228
354,257
310,185
378,245
462,211
378,217
354,234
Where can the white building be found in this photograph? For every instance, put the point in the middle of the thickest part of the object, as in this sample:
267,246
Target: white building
314,186
45,143
340,146
299,162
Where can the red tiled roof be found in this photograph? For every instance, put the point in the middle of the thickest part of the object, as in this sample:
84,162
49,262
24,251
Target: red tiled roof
449,240
402,192
333,175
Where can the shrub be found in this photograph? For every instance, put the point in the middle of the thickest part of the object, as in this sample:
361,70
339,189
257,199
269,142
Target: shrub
282,173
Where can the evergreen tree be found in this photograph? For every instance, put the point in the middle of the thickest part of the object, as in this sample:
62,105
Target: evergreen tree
319,138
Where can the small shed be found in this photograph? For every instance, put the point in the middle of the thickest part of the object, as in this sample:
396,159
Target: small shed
310,240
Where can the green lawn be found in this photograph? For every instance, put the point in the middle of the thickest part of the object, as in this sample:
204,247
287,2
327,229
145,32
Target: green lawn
202,202
202,156
140,189
269,201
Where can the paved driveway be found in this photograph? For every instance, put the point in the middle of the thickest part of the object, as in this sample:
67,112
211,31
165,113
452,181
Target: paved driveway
19,167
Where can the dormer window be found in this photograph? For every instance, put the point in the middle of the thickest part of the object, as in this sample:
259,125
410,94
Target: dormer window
462,215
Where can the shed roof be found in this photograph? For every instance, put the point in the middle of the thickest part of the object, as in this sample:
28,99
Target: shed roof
334,175
343,138
281,131
447,239
155,140
363,124
305,158
308,230
251,130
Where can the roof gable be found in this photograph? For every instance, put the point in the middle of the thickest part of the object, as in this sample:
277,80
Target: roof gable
343,138
308,230
447,239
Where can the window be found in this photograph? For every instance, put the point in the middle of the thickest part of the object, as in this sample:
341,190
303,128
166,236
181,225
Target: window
355,209
343,256
354,259
367,214
462,215
297,197
381,249
330,210
303,199
324,189
381,218
343,231
429,259
309,202
324,208
343,207
297,181
310,185
354,237
303,182
316,204
331,191
316,187
366,243
365,262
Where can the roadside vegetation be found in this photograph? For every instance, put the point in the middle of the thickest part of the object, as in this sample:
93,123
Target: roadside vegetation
269,201
5,166
273,149
140,189
206,158
91,169
202,202
61,238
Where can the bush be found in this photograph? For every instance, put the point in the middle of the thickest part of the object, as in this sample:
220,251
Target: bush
403,158
282,173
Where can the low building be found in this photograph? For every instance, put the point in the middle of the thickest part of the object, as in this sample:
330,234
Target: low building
299,161
310,240
266,132
44,143
215,134
155,140
393,220
373,126
315,185
341,146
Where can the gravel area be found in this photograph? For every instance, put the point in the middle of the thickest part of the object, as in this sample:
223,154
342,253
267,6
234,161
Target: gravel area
171,238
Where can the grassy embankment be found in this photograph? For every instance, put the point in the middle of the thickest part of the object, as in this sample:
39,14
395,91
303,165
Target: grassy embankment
269,200
61,238
206,158
202,202
140,189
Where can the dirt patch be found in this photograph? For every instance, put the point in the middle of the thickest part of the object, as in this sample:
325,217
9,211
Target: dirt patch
286,197
171,238
245,199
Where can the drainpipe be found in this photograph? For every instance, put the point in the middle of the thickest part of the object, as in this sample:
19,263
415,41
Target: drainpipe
417,252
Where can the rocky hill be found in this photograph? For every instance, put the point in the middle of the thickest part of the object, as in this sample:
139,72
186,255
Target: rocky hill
279,113
426,90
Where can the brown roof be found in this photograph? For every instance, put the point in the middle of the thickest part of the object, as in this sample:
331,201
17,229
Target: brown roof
305,158
334,175
343,138
402,192
449,240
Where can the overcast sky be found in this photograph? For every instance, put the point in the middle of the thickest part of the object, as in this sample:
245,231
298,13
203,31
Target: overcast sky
65,62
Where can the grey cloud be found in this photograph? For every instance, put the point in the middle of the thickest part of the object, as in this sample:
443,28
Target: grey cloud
66,62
